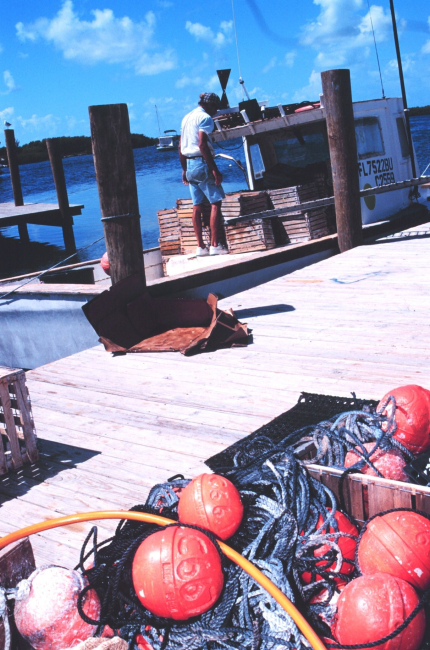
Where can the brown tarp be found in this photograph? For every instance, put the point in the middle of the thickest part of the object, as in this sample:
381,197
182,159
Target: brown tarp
128,319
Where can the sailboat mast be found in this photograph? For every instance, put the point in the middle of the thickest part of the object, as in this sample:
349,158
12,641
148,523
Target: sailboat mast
402,85
158,121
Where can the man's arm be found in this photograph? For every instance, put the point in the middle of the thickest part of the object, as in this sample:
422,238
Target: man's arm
208,157
183,164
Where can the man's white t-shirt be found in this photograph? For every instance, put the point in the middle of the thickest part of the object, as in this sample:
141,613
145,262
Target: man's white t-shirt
197,120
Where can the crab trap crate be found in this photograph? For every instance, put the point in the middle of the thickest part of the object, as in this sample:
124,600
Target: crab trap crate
362,495
18,434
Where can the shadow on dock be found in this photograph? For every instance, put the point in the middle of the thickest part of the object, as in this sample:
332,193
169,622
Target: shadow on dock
55,457
267,310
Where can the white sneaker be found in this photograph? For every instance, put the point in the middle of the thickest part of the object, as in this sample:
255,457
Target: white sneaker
218,250
201,252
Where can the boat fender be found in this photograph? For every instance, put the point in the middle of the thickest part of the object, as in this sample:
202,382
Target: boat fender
347,546
397,543
211,502
177,573
412,416
46,609
104,263
373,606
390,463
307,108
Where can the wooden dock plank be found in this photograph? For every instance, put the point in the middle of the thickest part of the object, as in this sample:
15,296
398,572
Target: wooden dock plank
111,427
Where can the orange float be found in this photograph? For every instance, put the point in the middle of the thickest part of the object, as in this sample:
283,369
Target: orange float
177,573
397,543
412,416
211,502
346,544
46,611
373,606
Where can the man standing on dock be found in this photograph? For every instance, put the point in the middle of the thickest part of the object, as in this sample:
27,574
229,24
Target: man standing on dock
199,169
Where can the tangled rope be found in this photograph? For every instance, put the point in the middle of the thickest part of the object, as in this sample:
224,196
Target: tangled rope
279,533
353,429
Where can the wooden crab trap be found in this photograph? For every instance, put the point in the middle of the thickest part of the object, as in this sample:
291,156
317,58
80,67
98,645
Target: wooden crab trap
18,433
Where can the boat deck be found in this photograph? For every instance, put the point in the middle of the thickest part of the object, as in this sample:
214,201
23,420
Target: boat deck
111,427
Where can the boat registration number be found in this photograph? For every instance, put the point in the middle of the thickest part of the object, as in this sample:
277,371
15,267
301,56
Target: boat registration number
380,168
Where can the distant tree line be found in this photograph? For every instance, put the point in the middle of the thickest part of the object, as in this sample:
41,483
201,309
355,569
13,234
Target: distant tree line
420,110
69,146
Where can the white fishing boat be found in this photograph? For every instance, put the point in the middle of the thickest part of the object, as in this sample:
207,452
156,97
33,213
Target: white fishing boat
285,148
168,142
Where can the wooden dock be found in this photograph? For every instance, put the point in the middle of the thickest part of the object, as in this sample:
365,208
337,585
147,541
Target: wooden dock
111,427
42,214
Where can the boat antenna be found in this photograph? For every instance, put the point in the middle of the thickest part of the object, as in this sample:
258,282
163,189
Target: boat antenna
402,85
158,120
376,49
237,49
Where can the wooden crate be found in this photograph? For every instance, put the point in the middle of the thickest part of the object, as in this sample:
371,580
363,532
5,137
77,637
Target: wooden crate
248,236
364,495
243,203
301,226
170,234
18,434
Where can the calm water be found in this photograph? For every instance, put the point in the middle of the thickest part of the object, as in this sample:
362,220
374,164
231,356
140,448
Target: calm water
159,184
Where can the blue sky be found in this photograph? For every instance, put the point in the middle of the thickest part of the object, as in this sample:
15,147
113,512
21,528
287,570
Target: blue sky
57,57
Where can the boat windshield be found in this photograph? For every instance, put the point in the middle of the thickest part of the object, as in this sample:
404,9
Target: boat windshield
311,149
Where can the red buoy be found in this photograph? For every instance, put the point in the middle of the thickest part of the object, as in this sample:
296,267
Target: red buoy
371,607
177,573
46,611
389,463
412,416
397,543
346,544
212,502
104,263
330,610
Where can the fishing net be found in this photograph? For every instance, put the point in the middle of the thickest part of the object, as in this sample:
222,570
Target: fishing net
289,529
279,533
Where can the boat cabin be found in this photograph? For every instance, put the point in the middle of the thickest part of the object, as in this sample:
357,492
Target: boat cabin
288,146
168,142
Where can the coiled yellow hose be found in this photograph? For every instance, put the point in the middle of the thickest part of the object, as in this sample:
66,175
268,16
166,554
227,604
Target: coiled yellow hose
233,555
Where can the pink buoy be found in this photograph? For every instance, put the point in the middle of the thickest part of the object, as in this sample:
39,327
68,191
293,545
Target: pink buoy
104,263
389,463
46,611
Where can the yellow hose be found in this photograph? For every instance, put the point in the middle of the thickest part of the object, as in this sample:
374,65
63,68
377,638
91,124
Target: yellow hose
247,566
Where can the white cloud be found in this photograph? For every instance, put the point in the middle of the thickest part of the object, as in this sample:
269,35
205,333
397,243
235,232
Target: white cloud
186,81
47,123
270,65
310,92
290,57
341,31
6,114
9,83
105,38
203,33
426,46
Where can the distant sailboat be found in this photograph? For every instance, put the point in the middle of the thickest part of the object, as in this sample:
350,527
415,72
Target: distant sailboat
166,142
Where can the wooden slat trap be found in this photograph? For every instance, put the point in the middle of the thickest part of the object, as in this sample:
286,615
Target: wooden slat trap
18,434
302,226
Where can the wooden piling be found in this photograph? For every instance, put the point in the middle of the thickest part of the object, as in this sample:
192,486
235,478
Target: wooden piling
12,157
116,181
343,155
56,161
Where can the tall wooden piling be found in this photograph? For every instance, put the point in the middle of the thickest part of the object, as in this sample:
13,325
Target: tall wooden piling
56,161
116,181
12,157
337,94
